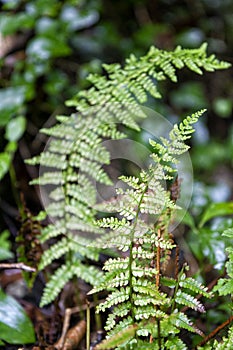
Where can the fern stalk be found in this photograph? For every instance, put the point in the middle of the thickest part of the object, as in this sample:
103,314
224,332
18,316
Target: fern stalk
132,233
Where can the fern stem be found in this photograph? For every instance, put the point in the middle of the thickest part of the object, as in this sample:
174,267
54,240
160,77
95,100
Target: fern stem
158,262
14,187
131,253
88,331
159,335
98,321
176,288
215,331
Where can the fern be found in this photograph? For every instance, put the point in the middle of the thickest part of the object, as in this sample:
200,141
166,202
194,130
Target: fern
225,285
74,159
136,290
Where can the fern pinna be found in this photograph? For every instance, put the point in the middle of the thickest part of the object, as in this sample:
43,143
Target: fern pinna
224,287
142,309
74,158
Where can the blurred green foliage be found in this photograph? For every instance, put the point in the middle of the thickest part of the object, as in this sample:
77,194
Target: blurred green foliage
35,35
5,246
48,48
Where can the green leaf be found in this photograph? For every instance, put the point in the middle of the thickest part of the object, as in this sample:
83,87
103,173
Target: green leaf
9,24
11,147
223,107
11,98
5,160
15,325
224,286
228,232
15,128
5,246
118,339
216,209
186,218
42,48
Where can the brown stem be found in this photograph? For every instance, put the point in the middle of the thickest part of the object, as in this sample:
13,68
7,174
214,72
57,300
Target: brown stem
177,261
215,331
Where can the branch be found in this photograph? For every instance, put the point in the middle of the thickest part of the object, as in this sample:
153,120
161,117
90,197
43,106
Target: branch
215,331
20,266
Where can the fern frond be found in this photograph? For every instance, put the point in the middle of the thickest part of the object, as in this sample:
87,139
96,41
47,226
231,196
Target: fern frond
116,264
120,338
147,288
228,233
181,321
49,178
186,299
225,285
65,273
117,297
52,231
146,195
143,345
65,245
147,311
55,252
192,284
119,311
175,343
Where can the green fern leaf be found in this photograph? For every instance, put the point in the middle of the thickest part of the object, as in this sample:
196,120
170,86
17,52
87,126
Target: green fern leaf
147,311
191,284
115,298
224,286
226,343
55,252
186,299
181,321
65,273
118,339
119,311
127,321
175,343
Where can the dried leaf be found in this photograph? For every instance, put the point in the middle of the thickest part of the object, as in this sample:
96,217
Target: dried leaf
73,337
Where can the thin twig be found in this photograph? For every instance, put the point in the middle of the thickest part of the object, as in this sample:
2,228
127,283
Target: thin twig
78,309
60,343
215,331
20,266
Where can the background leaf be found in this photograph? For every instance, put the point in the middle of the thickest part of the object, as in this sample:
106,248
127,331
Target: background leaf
15,128
216,209
5,159
15,325
5,246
